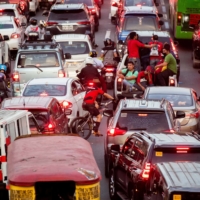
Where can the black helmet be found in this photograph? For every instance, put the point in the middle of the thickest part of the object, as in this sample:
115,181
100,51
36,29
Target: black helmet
33,21
108,42
93,54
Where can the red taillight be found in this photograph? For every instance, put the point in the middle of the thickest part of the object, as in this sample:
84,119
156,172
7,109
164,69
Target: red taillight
50,126
61,74
15,35
182,149
84,22
91,84
1,176
119,80
109,70
15,76
116,131
66,104
146,171
193,115
93,11
1,10
169,131
51,23
179,18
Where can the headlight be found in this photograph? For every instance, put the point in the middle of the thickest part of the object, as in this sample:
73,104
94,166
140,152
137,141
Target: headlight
186,18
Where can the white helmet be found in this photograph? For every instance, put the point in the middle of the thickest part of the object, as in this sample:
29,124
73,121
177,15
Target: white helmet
43,23
89,61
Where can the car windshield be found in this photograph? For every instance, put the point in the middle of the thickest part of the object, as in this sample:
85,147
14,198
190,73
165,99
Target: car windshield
185,195
75,48
45,90
31,60
138,2
176,100
140,22
7,12
143,120
4,25
41,116
86,2
78,14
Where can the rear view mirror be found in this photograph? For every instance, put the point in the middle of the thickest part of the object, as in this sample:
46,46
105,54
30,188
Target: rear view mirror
160,15
68,56
45,13
108,113
161,23
5,37
115,148
180,114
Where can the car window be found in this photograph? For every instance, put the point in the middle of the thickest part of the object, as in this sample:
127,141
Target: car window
7,12
176,100
140,22
34,60
74,47
41,116
86,2
56,110
138,2
6,25
78,14
127,148
45,90
33,125
142,120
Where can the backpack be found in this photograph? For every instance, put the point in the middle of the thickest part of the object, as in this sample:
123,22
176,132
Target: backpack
154,51
128,71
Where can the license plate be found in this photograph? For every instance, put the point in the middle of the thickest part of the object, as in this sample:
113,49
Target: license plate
67,28
109,74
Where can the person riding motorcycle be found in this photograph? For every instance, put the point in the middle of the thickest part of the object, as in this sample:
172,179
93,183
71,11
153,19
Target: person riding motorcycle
90,104
196,35
42,25
23,8
3,69
34,28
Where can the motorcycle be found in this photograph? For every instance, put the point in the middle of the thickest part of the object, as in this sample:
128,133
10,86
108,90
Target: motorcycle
4,89
24,9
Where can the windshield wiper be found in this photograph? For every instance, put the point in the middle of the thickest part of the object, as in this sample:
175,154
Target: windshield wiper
34,66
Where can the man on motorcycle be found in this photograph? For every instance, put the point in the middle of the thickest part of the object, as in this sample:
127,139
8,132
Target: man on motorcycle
23,8
34,28
90,104
3,69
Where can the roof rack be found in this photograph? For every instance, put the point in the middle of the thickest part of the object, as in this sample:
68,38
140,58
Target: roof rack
145,133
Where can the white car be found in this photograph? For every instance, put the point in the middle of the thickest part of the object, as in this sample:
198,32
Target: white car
11,10
15,33
68,91
78,46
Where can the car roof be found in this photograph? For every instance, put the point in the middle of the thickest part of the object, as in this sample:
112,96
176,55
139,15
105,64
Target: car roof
70,37
27,102
53,81
169,90
67,6
142,9
151,33
183,176
68,158
8,6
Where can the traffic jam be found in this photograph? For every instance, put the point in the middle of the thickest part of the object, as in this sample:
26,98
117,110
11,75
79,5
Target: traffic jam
99,100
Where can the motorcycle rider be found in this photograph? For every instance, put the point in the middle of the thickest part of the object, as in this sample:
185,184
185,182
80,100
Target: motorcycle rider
34,28
90,104
23,8
196,35
42,26
3,69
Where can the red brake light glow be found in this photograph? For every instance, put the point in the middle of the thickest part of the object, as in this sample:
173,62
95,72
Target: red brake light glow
51,23
109,70
91,84
142,115
84,23
15,77
182,149
169,131
116,131
146,171
15,35
119,79
66,104
193,115
50,126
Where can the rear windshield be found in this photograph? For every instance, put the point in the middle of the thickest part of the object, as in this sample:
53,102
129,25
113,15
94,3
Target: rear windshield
5,26
138,2
87,2
75,48
140,22
67,15
37,60
185,196
143,120
175,99
7,12
41,116
45,90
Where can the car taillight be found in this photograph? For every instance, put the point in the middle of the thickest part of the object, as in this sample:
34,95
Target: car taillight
171,82
1,176
193,115
84,23
51,23
61,73
91,84
93,11
44,94
50,126
146,171
109,70
170,131
182,149
179,18
114,4
119,80
66,104
116,131
15,35
15,77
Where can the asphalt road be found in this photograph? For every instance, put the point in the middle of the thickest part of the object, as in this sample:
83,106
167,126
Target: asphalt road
189,77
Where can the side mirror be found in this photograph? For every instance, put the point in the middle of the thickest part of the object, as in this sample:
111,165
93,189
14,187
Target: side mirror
5,37
120,42
161,23
108,113
23,24
115,148
180,114
45,13
68,56
160,15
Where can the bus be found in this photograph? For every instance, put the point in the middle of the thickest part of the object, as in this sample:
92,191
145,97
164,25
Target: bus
184,16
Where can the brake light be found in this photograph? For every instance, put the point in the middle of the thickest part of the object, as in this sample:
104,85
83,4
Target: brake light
61,73
50,126
15,35
93,11
91,84
1,176
109,70
193,115
114,4
169,131
1,10
179,18
15,76
66,104
84,23
146,171
51,23
182,149
44,94
116,131
119,80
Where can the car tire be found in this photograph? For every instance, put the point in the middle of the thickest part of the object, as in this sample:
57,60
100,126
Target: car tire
112,186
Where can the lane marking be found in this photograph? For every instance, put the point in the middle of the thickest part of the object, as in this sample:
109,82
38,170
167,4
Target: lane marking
109,16
165,16
163,9
162,2
166,25
107,34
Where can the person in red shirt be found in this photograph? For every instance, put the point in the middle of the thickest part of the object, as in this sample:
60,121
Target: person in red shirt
133,49
156,51
90,104
144,79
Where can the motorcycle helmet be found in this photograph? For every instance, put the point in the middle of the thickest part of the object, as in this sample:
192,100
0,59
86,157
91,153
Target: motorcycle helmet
33,21
3,67
43,23
108,42
89,61
93,53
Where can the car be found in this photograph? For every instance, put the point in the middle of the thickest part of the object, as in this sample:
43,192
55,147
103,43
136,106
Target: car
15,33
12,11
93,7
181,98
179,180
68,91
132,166
70,18
46,110
131,115
135,19
37,59
78,46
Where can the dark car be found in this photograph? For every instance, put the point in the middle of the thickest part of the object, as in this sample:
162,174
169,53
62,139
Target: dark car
132,166
70,18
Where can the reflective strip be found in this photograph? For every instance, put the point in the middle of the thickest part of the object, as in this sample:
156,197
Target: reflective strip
2,158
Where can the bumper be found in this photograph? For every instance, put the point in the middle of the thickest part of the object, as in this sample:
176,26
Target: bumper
13,44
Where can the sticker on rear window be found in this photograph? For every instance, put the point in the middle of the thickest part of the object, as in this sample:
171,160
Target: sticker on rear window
123,114
23,56
181,103
177,197
159,153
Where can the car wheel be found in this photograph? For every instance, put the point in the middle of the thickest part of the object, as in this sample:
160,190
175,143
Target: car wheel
112,186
